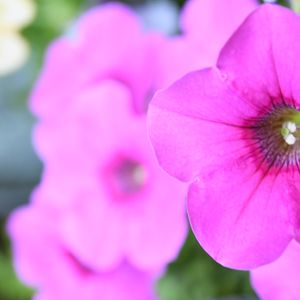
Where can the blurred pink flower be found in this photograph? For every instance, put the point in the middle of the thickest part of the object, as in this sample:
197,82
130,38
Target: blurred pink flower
279,280
99,166
45,262
205,25
209,23
233,131
118,202
217,19
108,41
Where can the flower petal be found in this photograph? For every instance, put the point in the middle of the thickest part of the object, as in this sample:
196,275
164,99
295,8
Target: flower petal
197,122
52,90
74,64
93,231
157,213
125,282
240,215
260,60
44,261
211,22
37,247
280,279
87,128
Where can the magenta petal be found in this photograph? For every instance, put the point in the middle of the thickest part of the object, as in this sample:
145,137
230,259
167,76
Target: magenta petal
158,227
239,216
73,64
68,139
189,119
124,283
43,260
52,88
211,22
261,59
37,248
94,232
180,55
106,30
280,279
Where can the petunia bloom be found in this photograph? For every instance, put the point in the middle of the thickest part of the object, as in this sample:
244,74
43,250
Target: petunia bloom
101,170
99,165
99,48
44,261
232,130
279,280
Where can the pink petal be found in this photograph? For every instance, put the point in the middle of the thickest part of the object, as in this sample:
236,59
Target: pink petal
180,55
52,88
260,60
139,226
280,279
68,139
124,283
211,22
78,64
240,215
94,231
43,260
132,61
196,123
37,247
157,213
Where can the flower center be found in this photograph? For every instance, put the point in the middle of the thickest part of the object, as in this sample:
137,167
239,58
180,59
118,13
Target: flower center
288,130
125,177
278,135
130,176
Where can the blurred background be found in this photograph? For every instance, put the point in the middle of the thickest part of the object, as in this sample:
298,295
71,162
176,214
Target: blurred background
22,47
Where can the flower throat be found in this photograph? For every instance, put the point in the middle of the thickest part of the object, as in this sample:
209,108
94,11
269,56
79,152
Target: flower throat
278,136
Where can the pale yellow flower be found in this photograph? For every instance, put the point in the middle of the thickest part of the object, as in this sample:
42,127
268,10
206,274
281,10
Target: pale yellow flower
15,14
14,51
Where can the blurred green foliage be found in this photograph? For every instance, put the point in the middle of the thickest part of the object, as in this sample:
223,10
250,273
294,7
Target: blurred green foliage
53,17
194,276
10,287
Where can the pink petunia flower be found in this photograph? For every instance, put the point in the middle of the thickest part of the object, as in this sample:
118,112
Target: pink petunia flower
233,131
108,41
101,170
45,262
279,280
99,165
